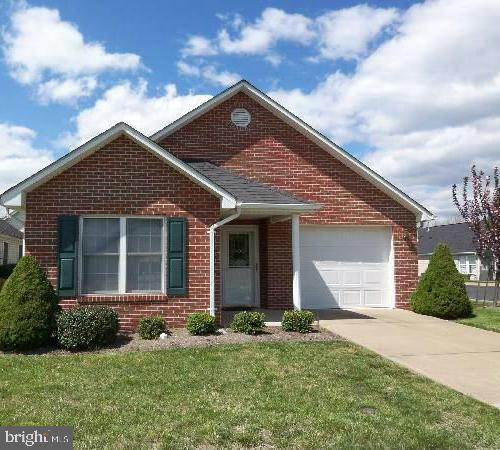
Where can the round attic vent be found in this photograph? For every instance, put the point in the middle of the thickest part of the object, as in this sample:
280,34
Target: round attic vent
241,117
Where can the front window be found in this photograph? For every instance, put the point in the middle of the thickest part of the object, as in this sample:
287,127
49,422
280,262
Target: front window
467,264
463,264
101,255
122,255
144,255
472,262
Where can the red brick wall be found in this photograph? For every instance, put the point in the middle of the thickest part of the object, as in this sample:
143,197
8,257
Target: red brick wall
271,151
124,179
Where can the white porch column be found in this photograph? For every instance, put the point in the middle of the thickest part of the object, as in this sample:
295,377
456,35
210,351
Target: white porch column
296,261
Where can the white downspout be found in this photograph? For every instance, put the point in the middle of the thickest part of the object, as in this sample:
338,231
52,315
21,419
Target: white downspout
211,233
297,303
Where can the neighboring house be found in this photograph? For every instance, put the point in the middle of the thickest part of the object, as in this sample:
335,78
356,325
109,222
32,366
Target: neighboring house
238,203
16,219
459,238
11,243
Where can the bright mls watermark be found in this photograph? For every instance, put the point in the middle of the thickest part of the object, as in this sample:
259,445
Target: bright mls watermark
58,438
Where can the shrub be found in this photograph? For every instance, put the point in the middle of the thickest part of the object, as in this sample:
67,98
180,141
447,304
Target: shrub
151,327
87,327
441,290
248,322
28,307
201,324
2,282
300,321
6,270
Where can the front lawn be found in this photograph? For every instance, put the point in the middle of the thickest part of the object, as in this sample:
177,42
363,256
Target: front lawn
486,317
286,394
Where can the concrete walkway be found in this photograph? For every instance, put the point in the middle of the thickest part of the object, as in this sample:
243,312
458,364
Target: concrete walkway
464,358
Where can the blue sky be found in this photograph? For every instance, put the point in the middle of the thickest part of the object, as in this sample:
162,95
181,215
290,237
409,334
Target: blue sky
413,89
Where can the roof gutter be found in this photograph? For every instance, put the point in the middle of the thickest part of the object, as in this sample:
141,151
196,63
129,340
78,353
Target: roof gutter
211,233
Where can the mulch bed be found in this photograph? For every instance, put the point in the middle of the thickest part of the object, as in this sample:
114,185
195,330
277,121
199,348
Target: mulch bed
180,338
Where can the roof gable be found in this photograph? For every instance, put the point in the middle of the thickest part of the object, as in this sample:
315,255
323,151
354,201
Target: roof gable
15,196
319,139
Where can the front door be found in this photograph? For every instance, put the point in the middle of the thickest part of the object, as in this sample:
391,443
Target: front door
240,267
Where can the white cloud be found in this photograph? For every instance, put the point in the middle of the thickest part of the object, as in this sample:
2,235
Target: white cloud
199,46
40,47
130,103
19,157
427,100
66,91
272,26
209,73
346,33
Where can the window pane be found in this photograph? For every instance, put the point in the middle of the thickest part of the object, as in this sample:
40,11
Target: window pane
101,235
144,235
144,255
143,273
101,239
239,250
100,273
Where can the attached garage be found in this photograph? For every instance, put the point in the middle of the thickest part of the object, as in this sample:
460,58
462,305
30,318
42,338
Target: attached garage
345,267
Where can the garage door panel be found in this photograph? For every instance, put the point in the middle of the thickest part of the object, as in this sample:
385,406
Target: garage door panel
374,298
331,277
345,266
373,276
352,298
352,278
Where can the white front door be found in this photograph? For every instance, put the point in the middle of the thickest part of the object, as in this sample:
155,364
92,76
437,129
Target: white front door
239,266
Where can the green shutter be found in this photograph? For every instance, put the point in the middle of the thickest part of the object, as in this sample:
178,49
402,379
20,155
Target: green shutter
176,256
67,258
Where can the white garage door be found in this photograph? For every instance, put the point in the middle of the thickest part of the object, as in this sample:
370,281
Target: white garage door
345,266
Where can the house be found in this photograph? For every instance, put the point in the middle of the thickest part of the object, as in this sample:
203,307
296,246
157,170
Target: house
459,238
11,243
239,203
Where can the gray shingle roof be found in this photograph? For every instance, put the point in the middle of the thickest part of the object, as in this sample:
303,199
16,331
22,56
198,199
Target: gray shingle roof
243,189
8,230
457,236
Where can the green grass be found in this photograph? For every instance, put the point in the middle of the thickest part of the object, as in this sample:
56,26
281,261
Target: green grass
487,318
286,395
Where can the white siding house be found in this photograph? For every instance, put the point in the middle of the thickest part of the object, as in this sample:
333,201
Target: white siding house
11,243
459,239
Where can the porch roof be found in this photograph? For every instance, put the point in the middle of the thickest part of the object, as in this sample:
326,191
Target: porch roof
249,193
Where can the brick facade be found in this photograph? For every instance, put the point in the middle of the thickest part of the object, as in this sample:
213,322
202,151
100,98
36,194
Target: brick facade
272,152
125,179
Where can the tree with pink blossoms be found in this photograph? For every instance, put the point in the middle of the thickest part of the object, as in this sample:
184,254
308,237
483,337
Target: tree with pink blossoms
479,205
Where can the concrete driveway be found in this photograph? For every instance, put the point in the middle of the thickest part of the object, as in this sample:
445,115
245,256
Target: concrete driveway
464,358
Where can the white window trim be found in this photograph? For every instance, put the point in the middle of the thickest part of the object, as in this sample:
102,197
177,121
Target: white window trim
466,258
122,261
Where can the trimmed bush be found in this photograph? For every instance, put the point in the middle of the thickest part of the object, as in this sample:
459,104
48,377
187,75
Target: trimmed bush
28,307
441,290
151,327
87,327
6,270
2,282
200,324
301,321
248,322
